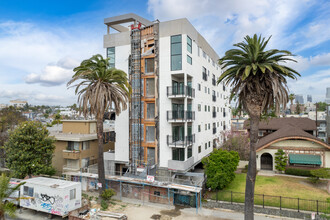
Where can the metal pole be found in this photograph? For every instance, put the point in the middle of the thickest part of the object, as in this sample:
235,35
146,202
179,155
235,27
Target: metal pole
231,197
168,196
280,202
216,196
298,204
142,194
200,199
317,207
196,203
120,190
263,200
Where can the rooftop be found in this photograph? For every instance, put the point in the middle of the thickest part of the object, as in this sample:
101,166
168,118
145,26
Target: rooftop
54,183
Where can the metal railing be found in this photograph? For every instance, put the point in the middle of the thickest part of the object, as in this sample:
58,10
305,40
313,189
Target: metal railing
183,91
180,115
177,141
275,201
190,92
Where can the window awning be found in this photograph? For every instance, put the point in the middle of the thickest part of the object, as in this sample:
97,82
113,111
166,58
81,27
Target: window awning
305,159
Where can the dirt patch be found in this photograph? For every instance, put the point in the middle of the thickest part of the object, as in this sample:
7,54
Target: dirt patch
321,185
173,212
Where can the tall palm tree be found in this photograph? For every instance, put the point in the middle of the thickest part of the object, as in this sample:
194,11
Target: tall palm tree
6,191
100,88
258,80
291,98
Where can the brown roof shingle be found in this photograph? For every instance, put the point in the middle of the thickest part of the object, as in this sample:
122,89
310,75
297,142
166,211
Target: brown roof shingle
305,124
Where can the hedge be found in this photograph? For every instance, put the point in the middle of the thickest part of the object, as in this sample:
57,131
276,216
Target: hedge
298,172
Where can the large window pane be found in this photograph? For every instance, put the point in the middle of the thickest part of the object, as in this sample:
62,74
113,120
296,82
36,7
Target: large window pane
176,62
189,44
149,65
176,49
150,87
189,59
176,39
150,133
150,110
178,154
111,52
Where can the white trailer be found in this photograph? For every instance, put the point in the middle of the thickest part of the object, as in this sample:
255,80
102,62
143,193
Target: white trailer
54,196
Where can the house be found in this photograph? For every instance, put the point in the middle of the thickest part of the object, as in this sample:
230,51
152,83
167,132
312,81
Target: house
177,111
77,146
17,103
296,137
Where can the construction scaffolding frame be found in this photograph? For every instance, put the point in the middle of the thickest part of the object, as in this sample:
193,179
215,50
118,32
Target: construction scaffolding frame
136,108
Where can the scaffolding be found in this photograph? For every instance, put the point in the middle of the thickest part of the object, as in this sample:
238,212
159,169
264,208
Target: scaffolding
136,106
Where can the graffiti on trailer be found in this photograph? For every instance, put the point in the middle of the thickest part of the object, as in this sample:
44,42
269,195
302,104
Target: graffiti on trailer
55,212
46,206
45,198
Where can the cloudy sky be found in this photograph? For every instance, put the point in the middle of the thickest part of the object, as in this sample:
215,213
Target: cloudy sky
41,41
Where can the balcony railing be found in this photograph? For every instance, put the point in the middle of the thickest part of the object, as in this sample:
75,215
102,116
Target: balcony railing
181,165
213,82
214,114
178,116
180,92
71,154
214,130
214,98
177,141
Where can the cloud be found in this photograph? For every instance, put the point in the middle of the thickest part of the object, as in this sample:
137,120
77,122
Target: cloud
53,75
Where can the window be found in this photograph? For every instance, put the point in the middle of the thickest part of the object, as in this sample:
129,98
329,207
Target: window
199,128
260,133
209,143
199,87
149,65
73,145
199,149
85,162
189,152
208,108
205,109
150,87
205,127
199,107
111,52
205,146
72,194
85,145
150,133
205,89
150,110
176,52
156,193
189,59
217,124
28,191
178,154
208,90
199,51
204,54
209,126
204,74
189,44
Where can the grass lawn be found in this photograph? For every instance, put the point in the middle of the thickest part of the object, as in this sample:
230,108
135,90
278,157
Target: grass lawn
276,186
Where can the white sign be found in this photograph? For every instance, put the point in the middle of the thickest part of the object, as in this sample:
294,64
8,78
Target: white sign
99,185
313,215
150,178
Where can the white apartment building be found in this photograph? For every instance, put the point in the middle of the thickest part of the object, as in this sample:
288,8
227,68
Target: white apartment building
177,114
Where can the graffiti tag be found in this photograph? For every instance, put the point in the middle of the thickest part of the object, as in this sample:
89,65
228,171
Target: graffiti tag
46,206
45,198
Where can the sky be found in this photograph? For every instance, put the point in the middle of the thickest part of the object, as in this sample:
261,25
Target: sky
42,41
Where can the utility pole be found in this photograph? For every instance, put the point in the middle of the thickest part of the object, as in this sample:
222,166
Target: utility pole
316,120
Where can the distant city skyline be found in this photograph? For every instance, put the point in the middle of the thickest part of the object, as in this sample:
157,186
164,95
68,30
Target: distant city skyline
299,99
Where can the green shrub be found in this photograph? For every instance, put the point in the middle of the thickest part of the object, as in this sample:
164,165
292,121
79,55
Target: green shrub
104,205
319,173
107,194
245,169
298,172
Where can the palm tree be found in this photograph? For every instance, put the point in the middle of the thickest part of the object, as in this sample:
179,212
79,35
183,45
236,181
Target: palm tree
100,88
258,80
6,191
291,98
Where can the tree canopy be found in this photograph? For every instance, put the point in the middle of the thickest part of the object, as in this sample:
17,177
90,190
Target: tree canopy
29,150
220,168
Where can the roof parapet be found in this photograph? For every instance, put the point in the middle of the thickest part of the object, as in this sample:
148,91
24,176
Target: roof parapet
114,22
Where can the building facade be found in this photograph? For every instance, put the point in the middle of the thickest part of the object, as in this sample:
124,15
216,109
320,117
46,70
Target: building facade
327,96
177,111
299,99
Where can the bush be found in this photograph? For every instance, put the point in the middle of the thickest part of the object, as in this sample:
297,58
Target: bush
104,205
107,194
319,173
245,169
298,172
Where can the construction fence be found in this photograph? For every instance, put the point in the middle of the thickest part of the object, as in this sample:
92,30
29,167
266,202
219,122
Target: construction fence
171,194
276,201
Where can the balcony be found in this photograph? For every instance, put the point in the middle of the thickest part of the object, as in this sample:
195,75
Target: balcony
214,82
214,98
180,116
214,114
71,154
181,165
176,141
214,130
180,92
70,168
321,129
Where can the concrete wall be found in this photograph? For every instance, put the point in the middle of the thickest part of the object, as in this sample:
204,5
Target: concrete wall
79,127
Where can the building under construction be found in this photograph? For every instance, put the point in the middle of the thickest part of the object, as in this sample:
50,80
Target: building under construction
177,113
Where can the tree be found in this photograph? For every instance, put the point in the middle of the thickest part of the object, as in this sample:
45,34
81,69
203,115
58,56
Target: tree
319,173
6,190
258,80
321,106
291,98
220,168
29,150
99,88
239,143
298,109
280,160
